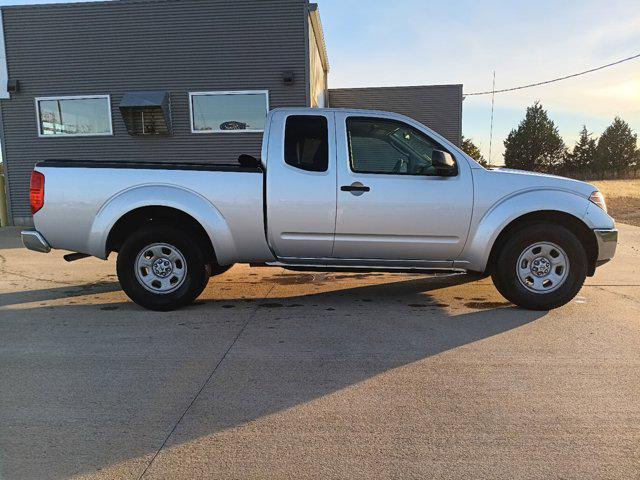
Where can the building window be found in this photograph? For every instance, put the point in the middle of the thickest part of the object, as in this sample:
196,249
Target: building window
228,112
74,116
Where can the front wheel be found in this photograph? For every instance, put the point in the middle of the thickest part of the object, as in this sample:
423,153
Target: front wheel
162,268
541,267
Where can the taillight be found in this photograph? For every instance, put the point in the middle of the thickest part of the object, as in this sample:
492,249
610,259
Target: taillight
36,191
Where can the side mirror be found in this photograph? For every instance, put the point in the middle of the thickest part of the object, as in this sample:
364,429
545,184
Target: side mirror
444,163
248,161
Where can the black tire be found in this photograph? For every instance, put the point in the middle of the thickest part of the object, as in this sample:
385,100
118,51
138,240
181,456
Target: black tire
220,269
193,281
475,276
506,279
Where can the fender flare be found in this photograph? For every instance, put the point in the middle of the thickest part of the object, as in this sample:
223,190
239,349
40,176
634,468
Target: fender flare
158,195
476,253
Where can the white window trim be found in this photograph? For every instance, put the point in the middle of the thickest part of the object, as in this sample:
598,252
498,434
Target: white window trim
73,97
230,92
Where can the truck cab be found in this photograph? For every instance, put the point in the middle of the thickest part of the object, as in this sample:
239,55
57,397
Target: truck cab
345,187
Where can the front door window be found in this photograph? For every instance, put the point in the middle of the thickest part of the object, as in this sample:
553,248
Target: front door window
385,146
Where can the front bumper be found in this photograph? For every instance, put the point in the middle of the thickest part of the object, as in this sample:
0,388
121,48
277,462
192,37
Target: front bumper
607,243
33,240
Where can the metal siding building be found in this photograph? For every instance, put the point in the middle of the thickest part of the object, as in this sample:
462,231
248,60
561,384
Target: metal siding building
437,106
114,48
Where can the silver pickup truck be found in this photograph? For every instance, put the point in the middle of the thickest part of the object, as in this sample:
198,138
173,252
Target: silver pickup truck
335,190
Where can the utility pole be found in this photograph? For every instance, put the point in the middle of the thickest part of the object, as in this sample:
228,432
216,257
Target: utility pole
493,98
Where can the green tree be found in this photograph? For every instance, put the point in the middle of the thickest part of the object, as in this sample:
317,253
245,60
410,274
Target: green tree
536,144
583,156
473,151
617,148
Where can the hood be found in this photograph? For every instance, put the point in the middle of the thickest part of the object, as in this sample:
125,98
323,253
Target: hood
524,179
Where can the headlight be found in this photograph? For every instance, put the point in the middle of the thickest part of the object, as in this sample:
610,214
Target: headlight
597,198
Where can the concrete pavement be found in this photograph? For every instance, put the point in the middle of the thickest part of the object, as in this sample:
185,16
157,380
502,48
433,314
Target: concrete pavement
276,374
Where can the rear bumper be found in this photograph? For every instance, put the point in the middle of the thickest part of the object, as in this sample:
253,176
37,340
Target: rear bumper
607,243
33,240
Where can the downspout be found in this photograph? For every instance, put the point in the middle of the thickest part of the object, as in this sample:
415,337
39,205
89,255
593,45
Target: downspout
5,198
4,216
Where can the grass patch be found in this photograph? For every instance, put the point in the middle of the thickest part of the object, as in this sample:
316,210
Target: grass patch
623,199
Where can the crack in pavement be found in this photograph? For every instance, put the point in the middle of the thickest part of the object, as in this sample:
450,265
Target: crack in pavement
626,297
37,279
206,382
3,262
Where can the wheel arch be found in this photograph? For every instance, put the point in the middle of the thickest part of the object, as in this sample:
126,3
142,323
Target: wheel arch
576,226
159,202
555,206
155,214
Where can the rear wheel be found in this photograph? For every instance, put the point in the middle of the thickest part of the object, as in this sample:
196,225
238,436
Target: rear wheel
541,267
162,268
473,276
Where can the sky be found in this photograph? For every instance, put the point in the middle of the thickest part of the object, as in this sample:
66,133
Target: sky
424,42
411,42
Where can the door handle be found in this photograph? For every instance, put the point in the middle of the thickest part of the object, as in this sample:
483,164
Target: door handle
355,188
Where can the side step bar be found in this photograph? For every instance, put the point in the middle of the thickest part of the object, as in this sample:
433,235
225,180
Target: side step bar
358,269
336,269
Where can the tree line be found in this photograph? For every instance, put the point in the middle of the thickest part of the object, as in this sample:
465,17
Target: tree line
536,145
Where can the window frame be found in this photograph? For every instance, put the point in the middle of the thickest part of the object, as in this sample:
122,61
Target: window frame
73,97
437,144
225,92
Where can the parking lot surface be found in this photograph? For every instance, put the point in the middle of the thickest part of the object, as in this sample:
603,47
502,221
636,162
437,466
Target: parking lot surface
276,374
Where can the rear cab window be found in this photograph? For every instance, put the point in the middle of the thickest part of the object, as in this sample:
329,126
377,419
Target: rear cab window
306,143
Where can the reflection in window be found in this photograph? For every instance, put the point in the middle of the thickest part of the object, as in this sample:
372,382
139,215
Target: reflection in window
228,111
74,116
386,146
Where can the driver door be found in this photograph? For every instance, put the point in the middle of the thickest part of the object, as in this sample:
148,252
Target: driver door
391,203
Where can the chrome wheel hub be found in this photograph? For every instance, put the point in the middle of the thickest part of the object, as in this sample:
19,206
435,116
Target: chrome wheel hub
542,267
160,268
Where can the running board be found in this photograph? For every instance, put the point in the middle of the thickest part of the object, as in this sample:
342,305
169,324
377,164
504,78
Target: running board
359,269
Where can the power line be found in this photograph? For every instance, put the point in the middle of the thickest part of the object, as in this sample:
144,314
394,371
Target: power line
491,92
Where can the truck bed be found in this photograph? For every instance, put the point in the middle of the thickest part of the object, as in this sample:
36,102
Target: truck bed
82,191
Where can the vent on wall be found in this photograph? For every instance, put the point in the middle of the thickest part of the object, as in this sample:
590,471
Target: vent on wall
146,113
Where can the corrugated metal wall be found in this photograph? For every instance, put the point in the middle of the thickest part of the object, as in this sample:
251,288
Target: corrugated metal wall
439,107
115,47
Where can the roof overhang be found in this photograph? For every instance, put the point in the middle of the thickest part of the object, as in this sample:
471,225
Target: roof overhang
316,23
145,99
